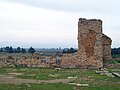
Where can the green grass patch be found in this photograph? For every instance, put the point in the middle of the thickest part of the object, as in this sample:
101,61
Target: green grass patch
99,88
48,74
3,70
8,87
115,61
115,55
85,76
55,86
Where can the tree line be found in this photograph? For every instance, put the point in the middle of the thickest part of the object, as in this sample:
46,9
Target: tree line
69,50
10,49
115,51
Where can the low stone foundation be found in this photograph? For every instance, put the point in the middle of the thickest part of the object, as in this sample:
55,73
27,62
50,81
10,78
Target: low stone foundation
112,65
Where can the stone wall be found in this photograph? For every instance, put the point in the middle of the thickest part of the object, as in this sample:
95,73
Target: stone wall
2,62
34,62
94,49
106,48
89,41
111,65
93,46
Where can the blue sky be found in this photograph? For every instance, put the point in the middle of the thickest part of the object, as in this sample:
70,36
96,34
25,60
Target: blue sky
53,23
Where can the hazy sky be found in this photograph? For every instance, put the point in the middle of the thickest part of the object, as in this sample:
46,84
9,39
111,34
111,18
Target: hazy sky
53,23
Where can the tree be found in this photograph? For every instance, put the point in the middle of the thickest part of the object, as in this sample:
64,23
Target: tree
65,50
11,50
69,50
1,50
15,50
115,51
31,50
18,50
23,50
7,49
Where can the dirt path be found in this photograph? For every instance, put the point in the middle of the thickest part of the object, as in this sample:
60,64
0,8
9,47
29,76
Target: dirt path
11,79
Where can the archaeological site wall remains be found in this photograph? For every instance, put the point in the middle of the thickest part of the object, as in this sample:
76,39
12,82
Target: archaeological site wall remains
94,48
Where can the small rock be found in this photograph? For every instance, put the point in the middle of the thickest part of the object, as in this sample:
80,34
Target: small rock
70,77
98,72
75,77
58,68
72,83
85,85
109,74
116,74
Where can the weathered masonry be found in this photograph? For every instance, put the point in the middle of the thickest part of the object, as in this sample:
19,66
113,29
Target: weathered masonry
94,48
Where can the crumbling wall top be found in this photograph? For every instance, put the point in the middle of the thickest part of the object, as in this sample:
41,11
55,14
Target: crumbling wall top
84,19
106,40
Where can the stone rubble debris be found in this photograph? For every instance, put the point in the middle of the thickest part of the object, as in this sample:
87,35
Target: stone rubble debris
80,85
104,72
72,77
116,74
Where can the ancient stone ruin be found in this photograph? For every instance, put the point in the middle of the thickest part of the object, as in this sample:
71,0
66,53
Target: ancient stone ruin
94,48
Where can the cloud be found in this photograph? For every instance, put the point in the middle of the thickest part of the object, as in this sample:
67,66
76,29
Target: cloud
51,21
19,22
74,5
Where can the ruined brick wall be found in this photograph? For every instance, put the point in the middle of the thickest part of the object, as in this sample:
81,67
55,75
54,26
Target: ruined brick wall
106,48
93,48
112,65
2,62
90,46
90,41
